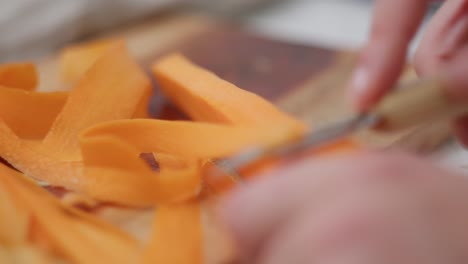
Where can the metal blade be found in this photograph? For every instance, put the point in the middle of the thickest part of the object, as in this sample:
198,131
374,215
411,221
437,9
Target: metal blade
314,139
328,134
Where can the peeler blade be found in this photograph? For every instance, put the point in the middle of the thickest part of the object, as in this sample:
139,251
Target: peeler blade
315,139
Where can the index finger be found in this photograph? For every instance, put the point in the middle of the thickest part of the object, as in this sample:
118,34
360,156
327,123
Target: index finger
394,24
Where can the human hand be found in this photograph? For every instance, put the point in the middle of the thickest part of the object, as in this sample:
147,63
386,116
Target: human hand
365,208
443,51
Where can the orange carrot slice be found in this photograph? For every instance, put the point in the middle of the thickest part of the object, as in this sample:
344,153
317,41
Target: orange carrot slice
76,60
81,237
19,75
15,220
25,254
115,172
206,97
30,114
190,140
30,158
344,145
111,90
177,235
142,110
111,170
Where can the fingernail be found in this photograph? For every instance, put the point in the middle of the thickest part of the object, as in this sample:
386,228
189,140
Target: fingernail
359,82
358,86
456,78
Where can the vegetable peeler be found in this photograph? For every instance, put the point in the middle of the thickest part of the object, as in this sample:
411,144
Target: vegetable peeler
412,103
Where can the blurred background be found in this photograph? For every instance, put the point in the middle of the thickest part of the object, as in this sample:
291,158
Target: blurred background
33,28
283,64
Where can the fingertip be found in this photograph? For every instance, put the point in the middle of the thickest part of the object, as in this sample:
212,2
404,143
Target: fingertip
358,88
362,93
373,77
454,72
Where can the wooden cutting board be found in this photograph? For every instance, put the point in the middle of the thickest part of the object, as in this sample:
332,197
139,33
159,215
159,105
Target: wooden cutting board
306,81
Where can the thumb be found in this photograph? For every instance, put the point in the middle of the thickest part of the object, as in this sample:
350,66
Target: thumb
456,73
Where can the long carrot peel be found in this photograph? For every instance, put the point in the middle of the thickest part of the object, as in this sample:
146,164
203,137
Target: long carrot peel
30,158
15,246
206,97
70,233
30,114
177,235
115,172
19,75
111,155
76,60
25,255
111,90
142,110
15,220
191,140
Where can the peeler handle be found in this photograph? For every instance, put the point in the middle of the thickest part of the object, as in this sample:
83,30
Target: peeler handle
418,102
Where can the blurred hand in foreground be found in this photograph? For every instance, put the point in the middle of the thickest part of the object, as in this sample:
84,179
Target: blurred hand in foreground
362,209
443,51
368,207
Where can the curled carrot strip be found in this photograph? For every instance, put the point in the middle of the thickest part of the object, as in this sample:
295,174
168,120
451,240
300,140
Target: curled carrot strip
15,220
34,161
206,97
25,254
113,169
177,235
191,140
19,75
78,236
111,90
142,110
115,172
30,114
76,60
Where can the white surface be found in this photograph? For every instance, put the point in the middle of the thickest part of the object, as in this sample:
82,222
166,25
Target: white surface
332,23
453,157
340,24
32,28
